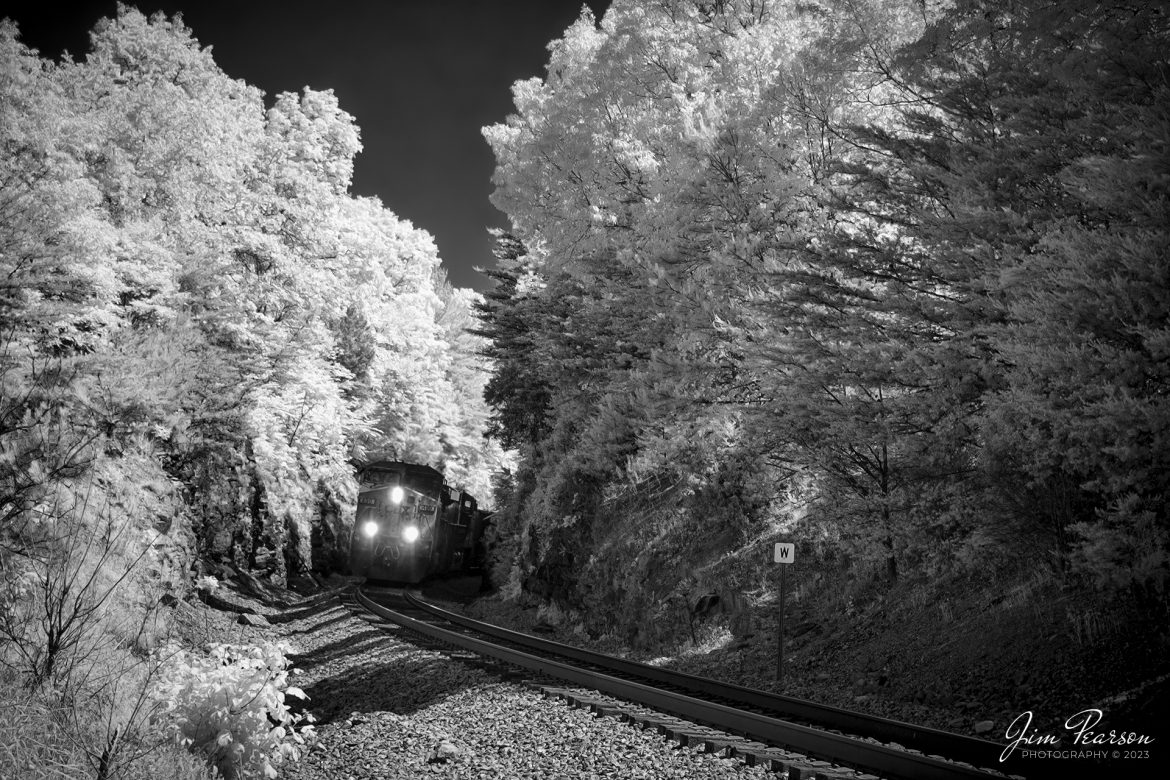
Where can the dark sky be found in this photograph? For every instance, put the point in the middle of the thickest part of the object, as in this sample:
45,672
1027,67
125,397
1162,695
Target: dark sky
419,76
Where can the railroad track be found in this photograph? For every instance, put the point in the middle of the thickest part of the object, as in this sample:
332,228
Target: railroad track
840,737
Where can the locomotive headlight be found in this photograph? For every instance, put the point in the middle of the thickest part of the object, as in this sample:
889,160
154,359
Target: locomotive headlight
410,533
370,529
397,494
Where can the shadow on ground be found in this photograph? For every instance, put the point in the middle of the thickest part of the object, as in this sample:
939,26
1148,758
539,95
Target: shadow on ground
402,686
326,603
356,644
342,615
372,671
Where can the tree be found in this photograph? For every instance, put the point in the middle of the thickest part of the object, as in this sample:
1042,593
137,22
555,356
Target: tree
517,389
199,328
165,227
669,176
1014,181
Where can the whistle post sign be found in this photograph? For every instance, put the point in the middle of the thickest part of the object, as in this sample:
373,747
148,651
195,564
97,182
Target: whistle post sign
784,552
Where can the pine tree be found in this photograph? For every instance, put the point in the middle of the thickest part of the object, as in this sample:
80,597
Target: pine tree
1017,181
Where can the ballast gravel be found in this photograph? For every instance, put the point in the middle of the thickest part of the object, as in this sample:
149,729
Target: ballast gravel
387,709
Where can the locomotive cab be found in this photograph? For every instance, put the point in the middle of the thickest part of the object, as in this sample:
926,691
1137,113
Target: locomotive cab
396,529
410,525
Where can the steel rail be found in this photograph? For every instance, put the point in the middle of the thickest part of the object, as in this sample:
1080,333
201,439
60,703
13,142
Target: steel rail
922,738
855,753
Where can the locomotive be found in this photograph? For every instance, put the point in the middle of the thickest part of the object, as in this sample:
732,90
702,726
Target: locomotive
411,525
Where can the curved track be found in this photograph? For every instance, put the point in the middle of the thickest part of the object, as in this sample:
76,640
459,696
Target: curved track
885,747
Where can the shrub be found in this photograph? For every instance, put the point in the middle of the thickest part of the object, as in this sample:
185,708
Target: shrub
230,705
32,744
39,741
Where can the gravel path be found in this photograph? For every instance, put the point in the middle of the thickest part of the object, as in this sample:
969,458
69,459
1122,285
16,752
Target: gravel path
386,709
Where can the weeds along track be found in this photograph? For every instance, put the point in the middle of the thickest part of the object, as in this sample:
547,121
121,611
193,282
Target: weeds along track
757,725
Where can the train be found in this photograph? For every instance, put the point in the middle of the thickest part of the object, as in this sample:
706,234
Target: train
411,525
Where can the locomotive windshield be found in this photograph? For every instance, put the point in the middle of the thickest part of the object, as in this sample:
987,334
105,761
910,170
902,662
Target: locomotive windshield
374,477
418,478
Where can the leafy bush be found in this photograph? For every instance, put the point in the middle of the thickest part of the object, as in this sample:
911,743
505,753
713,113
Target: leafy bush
230,704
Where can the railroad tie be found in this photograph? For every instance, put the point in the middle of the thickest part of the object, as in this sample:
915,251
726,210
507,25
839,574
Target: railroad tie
582,701
775,759
711,741
463,655
606,709
554,692
753,753
645,720
601,706
721,744
803,771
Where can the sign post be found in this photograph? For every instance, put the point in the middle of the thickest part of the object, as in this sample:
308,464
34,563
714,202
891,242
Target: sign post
783,554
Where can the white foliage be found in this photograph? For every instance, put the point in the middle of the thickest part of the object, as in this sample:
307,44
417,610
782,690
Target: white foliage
231,705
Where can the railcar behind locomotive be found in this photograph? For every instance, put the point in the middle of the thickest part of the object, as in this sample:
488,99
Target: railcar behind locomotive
411,525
